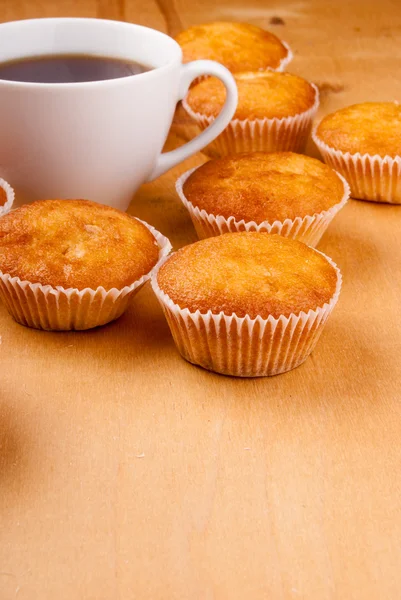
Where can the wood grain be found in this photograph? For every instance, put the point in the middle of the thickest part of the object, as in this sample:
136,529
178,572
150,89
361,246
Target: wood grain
127,473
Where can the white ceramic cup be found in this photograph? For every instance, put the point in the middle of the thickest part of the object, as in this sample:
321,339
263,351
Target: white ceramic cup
98,140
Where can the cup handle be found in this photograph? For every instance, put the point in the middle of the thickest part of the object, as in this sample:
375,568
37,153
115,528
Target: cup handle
189,72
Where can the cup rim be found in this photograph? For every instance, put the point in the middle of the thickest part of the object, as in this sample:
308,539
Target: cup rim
92,84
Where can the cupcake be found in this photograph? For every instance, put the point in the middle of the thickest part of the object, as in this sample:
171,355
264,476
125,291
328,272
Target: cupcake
237,46
6,197
279,192
73,264
363,142
247,304
274,112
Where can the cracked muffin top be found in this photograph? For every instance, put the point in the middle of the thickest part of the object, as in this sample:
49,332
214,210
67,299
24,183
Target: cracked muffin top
368,128
264,186
260,95
75,244
248,274
238,46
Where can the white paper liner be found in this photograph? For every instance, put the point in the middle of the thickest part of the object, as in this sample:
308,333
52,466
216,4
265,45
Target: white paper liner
284,62
242,346
371,177
60,309
266,135
9,197
308,229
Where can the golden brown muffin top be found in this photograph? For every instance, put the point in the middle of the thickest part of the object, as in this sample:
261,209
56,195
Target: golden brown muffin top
368,128
260,95
261,186
248,274
75,244
238,46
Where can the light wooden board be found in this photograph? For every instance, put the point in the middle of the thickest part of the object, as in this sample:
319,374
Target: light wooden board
126,473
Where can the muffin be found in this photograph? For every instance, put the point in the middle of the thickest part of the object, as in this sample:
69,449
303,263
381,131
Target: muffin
6,197
274,112
363,142
237,46
279,192
247,304
73,264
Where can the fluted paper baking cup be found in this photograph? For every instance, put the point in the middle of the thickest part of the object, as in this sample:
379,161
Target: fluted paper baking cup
284,62
263,135
371,177
308,229
242,346
9,192
59,309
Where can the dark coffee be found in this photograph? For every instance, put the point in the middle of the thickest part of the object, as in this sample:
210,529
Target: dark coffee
69,68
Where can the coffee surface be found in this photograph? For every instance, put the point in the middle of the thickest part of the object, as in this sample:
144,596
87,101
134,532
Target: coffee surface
69,68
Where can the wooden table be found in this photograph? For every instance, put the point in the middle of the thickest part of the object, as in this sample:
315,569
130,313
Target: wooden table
126,473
